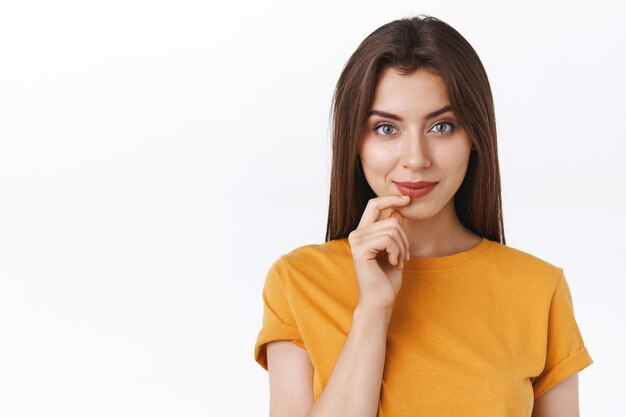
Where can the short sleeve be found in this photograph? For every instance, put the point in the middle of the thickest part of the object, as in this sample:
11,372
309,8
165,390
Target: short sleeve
278,320
566,353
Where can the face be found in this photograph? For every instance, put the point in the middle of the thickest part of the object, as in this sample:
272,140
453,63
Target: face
411,136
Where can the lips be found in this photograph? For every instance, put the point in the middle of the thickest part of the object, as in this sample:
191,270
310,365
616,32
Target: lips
416,185
415,189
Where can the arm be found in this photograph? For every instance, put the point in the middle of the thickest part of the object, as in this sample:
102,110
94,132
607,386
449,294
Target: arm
291,379
353,388
560,401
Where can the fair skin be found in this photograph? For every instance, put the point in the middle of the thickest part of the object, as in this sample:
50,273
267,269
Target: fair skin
400,142
291,386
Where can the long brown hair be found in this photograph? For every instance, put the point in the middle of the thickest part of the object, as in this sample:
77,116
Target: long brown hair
408,44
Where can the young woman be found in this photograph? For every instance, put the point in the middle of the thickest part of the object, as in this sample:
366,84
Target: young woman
414,305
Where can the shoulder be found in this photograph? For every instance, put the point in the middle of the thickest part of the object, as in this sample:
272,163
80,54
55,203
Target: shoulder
317,254
315,261
527,266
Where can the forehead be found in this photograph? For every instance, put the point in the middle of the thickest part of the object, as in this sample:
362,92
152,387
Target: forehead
418,92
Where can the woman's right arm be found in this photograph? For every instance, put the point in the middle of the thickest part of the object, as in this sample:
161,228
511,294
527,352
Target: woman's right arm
291,379
353,388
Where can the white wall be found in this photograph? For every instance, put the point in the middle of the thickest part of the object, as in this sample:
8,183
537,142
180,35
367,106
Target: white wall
156,157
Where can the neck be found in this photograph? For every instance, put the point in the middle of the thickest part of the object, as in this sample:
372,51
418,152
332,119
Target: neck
440,235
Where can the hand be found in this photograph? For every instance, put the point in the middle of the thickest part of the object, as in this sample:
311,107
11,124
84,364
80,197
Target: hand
379,249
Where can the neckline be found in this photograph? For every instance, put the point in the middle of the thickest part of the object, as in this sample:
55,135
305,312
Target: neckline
448,261
439,263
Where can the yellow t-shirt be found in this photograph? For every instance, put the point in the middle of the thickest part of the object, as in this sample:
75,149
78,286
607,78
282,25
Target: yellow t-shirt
482,332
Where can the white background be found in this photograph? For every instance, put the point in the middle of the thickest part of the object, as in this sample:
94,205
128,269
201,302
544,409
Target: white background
156,157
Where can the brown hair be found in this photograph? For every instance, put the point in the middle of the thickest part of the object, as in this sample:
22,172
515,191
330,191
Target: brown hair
408,44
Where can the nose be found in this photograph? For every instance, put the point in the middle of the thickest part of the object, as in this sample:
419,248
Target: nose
415,152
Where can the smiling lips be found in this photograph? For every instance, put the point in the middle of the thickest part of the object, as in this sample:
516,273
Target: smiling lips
415,189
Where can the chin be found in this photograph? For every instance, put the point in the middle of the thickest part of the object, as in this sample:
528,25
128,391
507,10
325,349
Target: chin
415,213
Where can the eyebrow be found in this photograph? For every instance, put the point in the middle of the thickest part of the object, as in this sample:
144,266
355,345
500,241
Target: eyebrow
392,116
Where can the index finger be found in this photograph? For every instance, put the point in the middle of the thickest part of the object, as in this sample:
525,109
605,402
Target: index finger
377,204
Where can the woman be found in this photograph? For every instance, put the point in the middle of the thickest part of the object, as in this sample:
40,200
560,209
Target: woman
414,305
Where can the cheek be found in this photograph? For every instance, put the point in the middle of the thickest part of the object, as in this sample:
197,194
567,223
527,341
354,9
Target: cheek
460,164
454,159
376,160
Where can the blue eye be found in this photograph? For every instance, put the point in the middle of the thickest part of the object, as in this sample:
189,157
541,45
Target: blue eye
442,124
388,129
